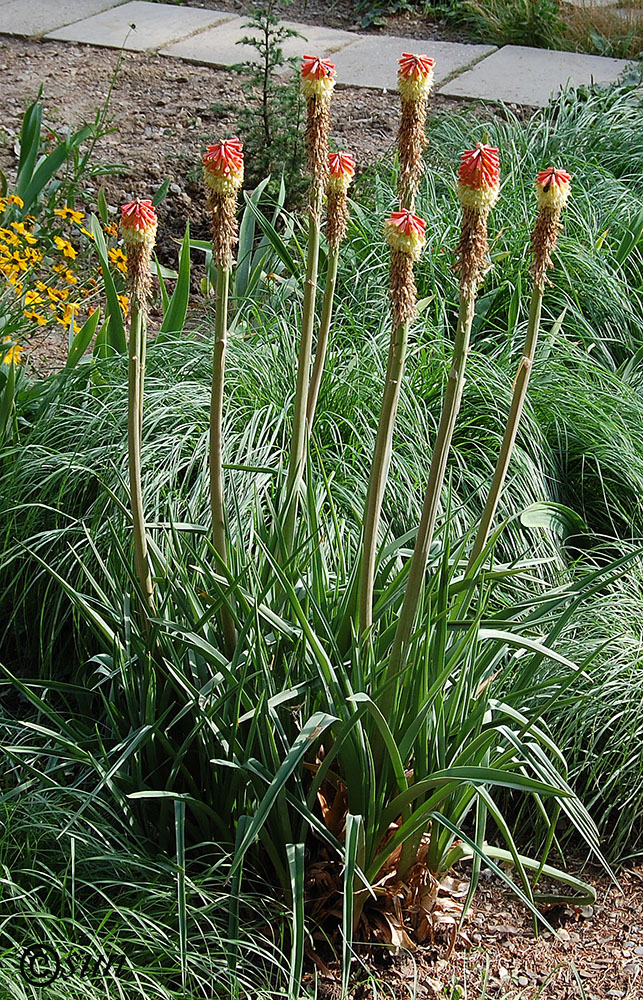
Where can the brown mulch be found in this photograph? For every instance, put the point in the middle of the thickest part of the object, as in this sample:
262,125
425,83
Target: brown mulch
418,23
596,955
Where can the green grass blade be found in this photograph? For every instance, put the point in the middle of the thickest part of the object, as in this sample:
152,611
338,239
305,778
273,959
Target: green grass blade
295,855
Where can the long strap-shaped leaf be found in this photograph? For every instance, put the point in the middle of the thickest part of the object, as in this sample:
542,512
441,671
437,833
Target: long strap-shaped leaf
316,725
115,329
295,855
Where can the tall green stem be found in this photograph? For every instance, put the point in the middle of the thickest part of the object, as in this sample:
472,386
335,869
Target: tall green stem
450,408
322,337
136,376
521,384
216,441
141,377
379,471
298,444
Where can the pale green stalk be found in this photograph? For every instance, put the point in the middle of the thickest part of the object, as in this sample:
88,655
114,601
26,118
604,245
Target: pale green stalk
141,378
322,337
136,376
520,386
300,425
450,408
216,441
379,471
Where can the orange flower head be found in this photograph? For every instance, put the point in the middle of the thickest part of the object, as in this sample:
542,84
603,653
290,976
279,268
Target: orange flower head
415,77
138,223
405,232
552,188
479,177
341,168
318,78
223,166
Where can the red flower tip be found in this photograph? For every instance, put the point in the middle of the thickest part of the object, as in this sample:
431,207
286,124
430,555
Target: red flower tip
407,224
480,168
552,177
341,165
314,68
138,215
225,157
552,188
415,67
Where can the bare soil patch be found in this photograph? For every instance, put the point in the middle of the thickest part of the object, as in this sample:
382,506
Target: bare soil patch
343,14
162,112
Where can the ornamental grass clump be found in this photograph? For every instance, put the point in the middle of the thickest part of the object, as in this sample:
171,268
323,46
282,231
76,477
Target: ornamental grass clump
138,229
341,170
478,190
317,83
223,174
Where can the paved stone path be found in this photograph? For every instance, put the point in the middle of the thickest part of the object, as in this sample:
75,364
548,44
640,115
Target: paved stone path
512,73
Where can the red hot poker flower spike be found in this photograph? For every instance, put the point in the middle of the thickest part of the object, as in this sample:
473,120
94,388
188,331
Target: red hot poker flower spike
138,228
318,77
223,166
479,177
341,170
138,219
415,76
552,188
406,232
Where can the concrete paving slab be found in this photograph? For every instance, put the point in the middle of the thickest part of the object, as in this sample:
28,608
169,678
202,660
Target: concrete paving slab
632,15
20,17
588,4
218,46
372,61
156,25
520,75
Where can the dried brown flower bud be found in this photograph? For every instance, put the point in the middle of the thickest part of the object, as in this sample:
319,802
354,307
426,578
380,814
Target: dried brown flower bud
405,234
341,170
403,289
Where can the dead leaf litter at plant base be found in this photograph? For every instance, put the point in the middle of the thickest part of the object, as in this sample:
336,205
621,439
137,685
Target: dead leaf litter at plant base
603,943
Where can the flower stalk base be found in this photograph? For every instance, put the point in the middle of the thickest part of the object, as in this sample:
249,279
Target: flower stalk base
380,468
450,409
521,384
323,335
300,425
134,412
